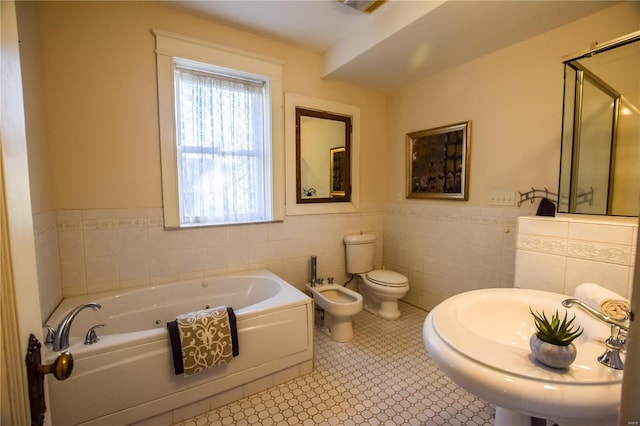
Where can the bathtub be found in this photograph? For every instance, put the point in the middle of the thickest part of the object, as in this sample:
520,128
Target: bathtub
127,376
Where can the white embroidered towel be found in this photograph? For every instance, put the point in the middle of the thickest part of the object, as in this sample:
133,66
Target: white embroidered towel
606,301
206,339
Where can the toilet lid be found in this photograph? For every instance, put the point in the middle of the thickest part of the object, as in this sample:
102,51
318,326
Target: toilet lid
388,278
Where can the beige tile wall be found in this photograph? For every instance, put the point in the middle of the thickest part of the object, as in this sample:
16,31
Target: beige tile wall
47,262
442,250
89,251
449,250
557,254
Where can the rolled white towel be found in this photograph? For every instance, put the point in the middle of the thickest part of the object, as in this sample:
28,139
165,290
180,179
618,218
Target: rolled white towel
606,301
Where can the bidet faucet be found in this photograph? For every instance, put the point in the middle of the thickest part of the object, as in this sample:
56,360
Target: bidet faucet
314,271
61,337
616,342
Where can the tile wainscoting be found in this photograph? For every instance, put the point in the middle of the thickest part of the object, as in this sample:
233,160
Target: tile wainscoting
89,251
448,250
47,262
442,250
558,254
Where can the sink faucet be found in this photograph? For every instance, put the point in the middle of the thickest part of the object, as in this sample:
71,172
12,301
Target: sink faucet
616,342
314,271
61,337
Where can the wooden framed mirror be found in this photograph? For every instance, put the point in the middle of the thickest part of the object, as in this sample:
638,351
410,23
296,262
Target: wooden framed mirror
323,156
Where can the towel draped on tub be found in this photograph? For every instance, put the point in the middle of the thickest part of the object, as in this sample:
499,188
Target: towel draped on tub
203,339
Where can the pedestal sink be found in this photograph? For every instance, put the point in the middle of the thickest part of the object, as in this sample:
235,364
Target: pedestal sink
481,340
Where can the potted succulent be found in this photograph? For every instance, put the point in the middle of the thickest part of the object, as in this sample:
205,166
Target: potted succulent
551,344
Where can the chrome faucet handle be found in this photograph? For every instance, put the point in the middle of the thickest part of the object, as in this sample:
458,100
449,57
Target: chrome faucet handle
61,338
91,336
617,333
51,333
615,344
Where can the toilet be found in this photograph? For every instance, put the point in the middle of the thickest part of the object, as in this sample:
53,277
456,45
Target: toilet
340,304
381,289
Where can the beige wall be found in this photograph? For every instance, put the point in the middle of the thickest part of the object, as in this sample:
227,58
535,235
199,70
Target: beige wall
95,162
99,93
513,98
32,76
101,102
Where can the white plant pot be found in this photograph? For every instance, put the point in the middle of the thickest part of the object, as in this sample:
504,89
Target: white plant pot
551,355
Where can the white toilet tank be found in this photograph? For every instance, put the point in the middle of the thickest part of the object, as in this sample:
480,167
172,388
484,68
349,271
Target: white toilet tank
361,254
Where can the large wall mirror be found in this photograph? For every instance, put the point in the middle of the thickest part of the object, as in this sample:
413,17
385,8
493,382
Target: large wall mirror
322,155
599,172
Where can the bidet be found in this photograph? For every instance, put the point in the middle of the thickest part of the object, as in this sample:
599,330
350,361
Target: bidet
339,304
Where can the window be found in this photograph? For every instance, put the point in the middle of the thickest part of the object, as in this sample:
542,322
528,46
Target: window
221,146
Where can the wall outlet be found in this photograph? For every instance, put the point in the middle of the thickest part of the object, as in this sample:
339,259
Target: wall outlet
502,198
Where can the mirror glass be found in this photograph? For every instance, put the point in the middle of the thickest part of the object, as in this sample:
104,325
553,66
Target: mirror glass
323,157
599,171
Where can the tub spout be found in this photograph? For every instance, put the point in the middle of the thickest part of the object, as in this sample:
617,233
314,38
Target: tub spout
61,338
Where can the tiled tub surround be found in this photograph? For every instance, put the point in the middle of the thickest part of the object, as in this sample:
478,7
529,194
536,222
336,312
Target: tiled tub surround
558,254
102,250
47,261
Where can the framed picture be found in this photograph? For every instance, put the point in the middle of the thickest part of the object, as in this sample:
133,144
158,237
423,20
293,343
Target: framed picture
438,162
337,181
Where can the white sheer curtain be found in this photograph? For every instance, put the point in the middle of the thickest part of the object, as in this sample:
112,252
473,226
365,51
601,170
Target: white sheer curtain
221,148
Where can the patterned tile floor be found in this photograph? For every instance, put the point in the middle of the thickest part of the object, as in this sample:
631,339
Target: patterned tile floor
382,377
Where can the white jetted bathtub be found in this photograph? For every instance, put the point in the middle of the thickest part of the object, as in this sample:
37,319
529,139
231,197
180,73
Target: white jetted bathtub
128,374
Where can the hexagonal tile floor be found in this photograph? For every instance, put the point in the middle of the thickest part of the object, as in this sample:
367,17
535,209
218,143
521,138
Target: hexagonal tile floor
382,377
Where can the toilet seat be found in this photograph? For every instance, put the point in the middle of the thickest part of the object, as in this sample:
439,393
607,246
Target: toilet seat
386,278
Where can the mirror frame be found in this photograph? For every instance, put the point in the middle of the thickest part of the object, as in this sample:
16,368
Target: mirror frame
343,196
292,101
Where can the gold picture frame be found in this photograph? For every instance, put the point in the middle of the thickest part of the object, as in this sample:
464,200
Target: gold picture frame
337,178
438,162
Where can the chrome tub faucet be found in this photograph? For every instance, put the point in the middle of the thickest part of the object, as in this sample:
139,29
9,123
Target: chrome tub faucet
61,336
617,342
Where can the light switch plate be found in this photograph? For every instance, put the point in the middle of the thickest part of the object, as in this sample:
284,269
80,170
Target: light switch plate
502,198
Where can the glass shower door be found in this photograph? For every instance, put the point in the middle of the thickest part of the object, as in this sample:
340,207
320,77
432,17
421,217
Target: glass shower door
593,146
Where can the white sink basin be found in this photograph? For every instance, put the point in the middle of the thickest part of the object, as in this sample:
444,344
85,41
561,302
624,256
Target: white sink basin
481,340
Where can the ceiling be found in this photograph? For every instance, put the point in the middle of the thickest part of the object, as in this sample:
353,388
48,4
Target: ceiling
403,40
